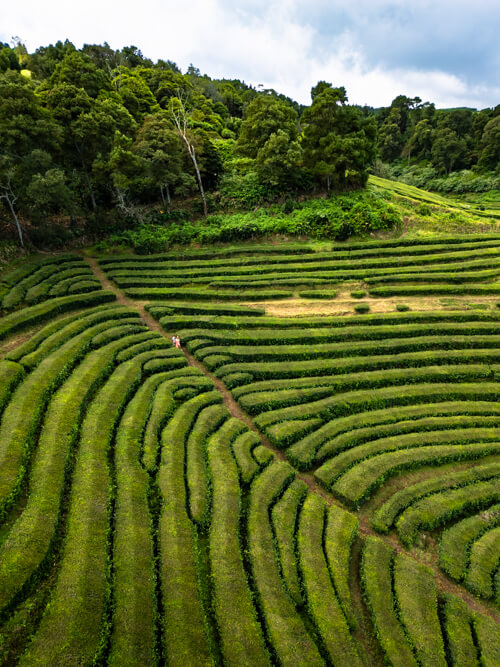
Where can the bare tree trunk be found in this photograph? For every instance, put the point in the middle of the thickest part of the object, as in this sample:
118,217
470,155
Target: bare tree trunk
192,153
328,183
10,198
162,195
167,190
179,116
16,219
91,191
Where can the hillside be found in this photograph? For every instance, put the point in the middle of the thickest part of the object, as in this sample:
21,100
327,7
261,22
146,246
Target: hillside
313,478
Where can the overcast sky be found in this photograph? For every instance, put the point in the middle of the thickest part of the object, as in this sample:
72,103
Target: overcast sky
444,51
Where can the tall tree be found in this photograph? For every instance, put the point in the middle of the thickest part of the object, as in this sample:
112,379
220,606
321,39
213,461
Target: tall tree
160,147
181,120
338,141
264,116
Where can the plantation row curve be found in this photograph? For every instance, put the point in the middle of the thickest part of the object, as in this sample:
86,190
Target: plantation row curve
143,523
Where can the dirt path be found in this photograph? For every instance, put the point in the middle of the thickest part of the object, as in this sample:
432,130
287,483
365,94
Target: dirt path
442,582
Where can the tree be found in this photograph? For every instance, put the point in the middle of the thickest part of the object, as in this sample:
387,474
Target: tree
447,150
278,160
490,144
27,132
159,146
264,116
338,141
77,69
180,118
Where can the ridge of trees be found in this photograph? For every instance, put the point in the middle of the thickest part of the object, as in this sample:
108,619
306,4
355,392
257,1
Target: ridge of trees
95,132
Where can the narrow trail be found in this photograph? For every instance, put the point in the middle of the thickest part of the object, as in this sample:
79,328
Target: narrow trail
444,585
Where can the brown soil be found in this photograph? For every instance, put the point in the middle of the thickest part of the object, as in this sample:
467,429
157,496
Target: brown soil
427,557
344,304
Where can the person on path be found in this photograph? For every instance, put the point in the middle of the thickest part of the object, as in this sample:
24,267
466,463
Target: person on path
174,340
178,342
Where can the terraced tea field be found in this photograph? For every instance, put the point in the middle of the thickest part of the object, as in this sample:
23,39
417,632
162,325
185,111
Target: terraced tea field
314,490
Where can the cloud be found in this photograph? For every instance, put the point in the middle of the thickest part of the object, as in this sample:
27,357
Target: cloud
445,52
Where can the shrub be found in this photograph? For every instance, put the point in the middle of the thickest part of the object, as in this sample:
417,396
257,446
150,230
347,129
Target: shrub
362,308
358,293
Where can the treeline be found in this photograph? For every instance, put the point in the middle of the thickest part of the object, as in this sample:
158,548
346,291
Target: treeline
91,137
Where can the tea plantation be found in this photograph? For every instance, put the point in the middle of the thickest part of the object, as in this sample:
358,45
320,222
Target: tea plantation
283,490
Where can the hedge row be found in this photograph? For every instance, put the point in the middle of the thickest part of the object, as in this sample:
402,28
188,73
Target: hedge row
484,561
285,433
319,273
24,413
356,402
456,541
41,290
344,458
376,579
18,290
242,447
284,515
259,399
133,620
418,290
234,341
487,639
185,637
35,534
44,311
11,375
287,633
318,294
209,420
315,447
54,333
319,261
457,627
205,295
159,310
415,425
341,530
27,268
416,597
386,515
240,634
72,622
322,601
298,281
213,254
277,370
435,510
415,442
283,255
375,320
438,277
163,407
359,482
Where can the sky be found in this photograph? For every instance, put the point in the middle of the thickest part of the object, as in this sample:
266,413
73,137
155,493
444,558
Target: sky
443,51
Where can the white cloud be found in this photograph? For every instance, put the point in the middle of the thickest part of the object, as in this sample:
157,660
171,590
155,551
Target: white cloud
271,43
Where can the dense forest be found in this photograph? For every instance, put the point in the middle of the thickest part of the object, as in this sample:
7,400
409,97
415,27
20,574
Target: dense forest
95,139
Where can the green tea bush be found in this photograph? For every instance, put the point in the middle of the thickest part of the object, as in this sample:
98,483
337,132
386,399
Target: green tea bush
362,308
